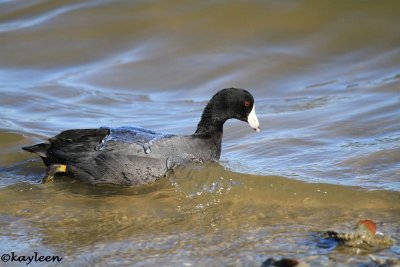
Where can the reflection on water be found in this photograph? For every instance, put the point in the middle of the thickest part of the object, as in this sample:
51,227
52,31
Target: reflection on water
326,80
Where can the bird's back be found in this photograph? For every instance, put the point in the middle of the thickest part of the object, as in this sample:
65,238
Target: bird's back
124,155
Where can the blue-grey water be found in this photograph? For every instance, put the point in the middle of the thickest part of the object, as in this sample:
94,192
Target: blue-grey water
326,79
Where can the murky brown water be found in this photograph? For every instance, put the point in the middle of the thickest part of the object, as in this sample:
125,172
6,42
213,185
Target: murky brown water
326,78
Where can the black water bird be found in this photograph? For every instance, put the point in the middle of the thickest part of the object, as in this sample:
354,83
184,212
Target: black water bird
135,156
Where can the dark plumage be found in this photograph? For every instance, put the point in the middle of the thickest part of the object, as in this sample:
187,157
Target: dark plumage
134,156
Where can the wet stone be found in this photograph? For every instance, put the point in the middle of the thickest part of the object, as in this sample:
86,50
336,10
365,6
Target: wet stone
363,236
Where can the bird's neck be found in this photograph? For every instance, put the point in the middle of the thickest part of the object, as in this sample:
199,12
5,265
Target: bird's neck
211,123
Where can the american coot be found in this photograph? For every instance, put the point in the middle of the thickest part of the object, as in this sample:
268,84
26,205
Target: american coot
135,156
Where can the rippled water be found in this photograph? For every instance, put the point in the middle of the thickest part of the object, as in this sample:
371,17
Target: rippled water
326,79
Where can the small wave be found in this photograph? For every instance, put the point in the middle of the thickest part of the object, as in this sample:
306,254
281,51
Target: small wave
31,22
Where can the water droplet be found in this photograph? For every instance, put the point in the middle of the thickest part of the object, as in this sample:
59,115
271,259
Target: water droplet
100,146
170,164
147,149
103,143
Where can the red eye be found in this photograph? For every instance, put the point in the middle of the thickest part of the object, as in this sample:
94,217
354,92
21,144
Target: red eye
246,104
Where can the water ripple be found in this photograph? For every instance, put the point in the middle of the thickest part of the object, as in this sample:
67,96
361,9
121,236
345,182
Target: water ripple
44,17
